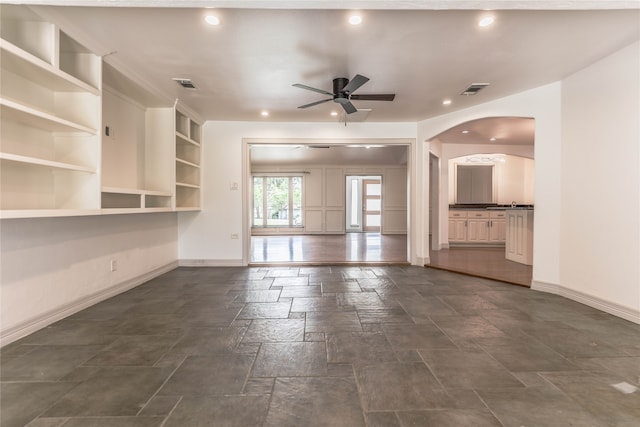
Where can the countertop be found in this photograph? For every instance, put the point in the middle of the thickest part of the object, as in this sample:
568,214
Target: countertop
490,207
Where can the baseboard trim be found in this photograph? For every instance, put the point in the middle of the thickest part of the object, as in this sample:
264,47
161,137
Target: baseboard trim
211,263
595,302
45,319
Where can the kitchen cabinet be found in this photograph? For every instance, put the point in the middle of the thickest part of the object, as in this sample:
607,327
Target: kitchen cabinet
519,238
457,226
497,226
476,227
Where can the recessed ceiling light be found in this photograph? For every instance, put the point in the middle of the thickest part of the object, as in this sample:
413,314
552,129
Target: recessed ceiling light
486,21
465,131
446,102
264,114
334,113
355,19
492,139
212,20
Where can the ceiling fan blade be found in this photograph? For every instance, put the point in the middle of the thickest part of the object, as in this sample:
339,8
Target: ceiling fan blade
376,97
315,103
347,105
355,83
312,89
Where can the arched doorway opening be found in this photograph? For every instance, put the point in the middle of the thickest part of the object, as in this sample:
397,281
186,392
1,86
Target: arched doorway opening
486,173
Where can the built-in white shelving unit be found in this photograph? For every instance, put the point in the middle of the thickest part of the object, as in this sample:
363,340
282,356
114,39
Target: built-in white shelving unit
137,147
187,161
50,112
80,137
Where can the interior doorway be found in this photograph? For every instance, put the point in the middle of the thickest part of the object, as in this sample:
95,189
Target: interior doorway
363,204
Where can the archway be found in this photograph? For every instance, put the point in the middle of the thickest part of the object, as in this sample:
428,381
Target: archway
495,155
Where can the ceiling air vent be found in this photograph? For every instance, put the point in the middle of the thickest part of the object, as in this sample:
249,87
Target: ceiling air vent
474,88
184,82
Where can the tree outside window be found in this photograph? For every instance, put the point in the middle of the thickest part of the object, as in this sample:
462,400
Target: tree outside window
277,201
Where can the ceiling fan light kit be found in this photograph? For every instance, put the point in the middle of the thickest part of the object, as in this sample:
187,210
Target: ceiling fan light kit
343,89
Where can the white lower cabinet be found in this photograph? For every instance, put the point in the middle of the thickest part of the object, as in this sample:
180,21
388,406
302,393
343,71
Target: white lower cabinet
476,227
519,244
497,227
457,226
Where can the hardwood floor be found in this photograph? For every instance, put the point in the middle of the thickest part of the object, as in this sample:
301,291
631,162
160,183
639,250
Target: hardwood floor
489,263
323,249
355,248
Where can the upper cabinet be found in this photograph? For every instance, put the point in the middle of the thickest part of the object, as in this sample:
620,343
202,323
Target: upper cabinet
79,137
50,119
187,161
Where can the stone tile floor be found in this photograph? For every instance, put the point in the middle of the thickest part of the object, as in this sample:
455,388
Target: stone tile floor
325,346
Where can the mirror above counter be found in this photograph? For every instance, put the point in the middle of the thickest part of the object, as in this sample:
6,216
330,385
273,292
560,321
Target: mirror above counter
485,180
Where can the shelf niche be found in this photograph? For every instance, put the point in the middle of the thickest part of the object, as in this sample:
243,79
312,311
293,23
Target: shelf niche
187,161
136,145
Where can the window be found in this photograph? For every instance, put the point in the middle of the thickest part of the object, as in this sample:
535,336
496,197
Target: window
277,201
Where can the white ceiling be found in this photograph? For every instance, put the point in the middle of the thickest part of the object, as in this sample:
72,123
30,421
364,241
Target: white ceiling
249,62
505,130
424,51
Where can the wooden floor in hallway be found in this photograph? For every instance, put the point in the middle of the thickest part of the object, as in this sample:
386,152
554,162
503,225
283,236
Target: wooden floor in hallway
347,248
489,263
323,249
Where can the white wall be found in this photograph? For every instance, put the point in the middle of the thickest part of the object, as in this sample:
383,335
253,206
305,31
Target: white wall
542,104
600,182
205,237
53,267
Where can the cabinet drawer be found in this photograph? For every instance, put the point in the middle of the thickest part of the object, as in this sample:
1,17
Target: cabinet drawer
457,214
497,214
478,214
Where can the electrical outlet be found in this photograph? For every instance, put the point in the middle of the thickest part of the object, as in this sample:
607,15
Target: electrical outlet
233,186
110,132
113,265
234,235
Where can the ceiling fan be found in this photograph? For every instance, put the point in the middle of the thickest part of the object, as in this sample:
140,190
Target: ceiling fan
343,93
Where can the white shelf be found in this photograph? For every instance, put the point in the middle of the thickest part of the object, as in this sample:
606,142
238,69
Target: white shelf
45,163
33,68
186,208
180,137
123,211
40,119
118,190
45,213
184,184
184,162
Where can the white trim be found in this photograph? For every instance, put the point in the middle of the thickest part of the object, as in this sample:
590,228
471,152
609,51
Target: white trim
45,319
613,308
423,261
211,263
